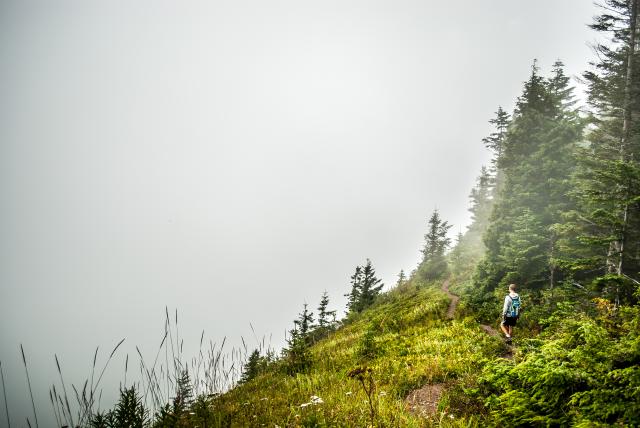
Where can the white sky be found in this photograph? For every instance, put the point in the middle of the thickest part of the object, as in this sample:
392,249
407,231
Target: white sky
235,159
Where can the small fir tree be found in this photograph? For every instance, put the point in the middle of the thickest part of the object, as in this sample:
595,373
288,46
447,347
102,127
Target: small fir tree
325,316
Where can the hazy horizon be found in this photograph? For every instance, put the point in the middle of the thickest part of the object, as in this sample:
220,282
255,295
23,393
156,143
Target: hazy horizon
232,161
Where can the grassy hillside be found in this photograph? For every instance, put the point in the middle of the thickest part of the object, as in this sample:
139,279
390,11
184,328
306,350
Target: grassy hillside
400,344
403,362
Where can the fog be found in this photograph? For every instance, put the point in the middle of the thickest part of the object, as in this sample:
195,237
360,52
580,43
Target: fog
233,160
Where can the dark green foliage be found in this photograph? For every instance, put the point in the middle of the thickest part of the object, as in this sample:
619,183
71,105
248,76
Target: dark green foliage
367,349
536,162
354,296
365,287
495,140
255,365
298,356
584,373
602,235
434,263
326,318
469,247
129,412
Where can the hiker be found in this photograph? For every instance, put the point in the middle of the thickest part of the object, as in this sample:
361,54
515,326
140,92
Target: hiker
510,311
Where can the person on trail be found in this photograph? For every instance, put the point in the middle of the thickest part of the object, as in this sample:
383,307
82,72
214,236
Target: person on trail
510,311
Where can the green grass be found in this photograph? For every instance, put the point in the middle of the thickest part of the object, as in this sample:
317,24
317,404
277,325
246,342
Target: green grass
406,342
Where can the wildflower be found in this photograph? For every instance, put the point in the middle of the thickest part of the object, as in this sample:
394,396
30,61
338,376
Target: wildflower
264,399
316,400
348,393
451,416
383,393
303,405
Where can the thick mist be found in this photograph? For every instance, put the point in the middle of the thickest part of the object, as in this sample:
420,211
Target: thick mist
233,160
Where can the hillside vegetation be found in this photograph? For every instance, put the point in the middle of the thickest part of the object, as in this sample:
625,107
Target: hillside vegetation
557,213
405,343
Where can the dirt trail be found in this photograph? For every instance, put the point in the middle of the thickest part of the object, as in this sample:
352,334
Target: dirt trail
454,300
451,311
424,401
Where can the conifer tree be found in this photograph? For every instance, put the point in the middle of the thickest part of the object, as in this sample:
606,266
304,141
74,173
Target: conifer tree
325,316
370,286
481,198
304,323
299,341
252,367
402,278
365,287
458,254
536,162
602,236
434,263
495,140
356,286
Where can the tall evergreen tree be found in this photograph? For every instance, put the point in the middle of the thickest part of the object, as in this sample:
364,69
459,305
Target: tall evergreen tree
356,287
495,140
606,223
536,162
434,263
458,255
481,198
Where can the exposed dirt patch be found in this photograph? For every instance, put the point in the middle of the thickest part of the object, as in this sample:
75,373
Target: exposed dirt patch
489,330
424,401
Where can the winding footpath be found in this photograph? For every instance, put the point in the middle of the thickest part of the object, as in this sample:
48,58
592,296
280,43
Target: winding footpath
424,401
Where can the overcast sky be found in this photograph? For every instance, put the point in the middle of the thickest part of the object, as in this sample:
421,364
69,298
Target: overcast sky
233,160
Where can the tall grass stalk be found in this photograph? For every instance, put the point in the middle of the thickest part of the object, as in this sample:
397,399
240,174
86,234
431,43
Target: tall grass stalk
64,390
4,393
33,403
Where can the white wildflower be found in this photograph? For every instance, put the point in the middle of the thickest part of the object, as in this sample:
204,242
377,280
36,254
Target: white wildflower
383,393
348,393
451,416
316,400
303,405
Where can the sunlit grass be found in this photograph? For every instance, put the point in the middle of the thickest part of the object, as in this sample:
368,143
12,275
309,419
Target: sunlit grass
412,346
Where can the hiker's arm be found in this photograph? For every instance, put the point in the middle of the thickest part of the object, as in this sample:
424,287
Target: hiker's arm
505,307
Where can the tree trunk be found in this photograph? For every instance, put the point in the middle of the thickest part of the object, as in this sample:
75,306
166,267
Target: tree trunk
626,153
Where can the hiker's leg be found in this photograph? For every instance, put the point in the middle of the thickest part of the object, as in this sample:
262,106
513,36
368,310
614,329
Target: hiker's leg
505,329
510,330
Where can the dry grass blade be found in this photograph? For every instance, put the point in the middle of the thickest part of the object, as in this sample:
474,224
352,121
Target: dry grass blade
4,393
64,389
33,403
95,387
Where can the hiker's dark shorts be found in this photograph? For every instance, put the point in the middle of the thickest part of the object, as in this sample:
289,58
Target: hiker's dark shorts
509,321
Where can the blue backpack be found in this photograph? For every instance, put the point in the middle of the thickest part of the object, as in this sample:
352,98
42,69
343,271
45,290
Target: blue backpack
515,307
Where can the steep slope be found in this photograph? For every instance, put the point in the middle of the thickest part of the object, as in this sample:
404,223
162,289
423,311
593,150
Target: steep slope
363,373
